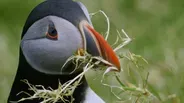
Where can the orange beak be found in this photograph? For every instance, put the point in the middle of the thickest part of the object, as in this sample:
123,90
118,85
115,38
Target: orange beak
103,47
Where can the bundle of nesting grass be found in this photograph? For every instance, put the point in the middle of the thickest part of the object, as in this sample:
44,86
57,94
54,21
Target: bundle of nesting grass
82,58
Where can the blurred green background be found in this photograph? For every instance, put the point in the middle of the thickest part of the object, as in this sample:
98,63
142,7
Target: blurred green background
155,25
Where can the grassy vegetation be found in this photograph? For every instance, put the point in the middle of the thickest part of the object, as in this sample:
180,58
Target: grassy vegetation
155,25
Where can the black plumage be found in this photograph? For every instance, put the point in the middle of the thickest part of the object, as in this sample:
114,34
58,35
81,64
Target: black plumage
66,9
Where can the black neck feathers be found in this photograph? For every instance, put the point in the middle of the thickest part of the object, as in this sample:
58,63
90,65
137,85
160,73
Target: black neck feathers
25,71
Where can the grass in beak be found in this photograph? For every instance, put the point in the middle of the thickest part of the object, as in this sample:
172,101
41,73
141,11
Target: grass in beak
50,95
137,93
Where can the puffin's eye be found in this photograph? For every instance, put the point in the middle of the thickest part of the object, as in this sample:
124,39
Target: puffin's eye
52,33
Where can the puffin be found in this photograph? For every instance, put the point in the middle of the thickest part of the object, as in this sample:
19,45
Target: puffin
53,32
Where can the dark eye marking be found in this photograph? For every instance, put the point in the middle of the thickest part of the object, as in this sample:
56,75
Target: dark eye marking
52,32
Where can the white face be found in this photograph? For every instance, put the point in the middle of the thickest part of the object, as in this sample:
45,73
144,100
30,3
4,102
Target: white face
47,54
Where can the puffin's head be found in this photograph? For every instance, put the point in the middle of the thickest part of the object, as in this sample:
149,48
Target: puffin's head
55,30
